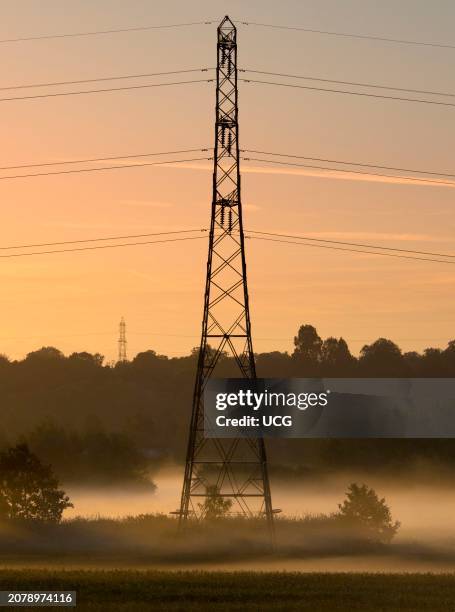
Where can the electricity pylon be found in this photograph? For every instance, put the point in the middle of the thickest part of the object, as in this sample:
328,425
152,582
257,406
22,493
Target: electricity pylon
235,469
122,341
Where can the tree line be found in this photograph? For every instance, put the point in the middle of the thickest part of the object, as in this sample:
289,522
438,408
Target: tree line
117,422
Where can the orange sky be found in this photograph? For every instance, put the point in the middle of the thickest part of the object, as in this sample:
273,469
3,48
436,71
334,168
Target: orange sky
75,300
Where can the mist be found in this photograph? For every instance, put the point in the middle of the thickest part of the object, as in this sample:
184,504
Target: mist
425,541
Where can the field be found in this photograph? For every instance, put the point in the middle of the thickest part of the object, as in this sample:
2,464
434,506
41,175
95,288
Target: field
141,563
135,591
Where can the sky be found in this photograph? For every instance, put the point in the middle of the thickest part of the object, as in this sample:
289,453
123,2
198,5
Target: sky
75,300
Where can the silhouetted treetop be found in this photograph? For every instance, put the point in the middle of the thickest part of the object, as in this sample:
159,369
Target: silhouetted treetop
308,344
382,358
93,359
46,352
336,357
148,359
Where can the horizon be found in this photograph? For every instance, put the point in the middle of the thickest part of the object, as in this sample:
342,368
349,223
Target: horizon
73,300
195,347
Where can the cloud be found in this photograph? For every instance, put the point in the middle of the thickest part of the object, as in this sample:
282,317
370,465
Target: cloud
324,174
342,176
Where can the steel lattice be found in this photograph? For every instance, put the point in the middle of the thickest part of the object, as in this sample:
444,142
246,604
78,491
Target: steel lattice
237,467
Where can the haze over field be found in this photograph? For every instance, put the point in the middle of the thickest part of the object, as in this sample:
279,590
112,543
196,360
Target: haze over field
425,541
436,505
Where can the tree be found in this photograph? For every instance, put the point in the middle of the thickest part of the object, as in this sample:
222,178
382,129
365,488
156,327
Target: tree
414,363
363,508
307,350
382,358
28,489
4,365
449,358
92,359
150,364
210,352
273,364
215,505
93,455
45,353
336,357
433,360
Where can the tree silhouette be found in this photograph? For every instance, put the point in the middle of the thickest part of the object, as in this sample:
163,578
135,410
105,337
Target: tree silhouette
47,386
46,353
210,352
307,352
215,506
273,365
382,358
87,358
336,357
449,358
433,361
28,489
363,508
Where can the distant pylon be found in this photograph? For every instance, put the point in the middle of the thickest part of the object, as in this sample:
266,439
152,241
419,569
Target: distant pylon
234,469
122,341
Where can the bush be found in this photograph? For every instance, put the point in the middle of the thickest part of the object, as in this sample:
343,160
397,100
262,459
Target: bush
362,508
28,489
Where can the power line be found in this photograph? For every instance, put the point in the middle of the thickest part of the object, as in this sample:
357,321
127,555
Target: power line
211,22
153,333
101,32
248,232
106,333
350,93
350,35
100,159
104,246
79,170
111,246
207,69
45,244
176,161
99,79
369,246
131,87
110,89
352,339
206,149
349,163
322,246
356,83
203,229
393,176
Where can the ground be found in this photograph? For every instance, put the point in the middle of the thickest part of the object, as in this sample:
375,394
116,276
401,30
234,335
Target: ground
137,591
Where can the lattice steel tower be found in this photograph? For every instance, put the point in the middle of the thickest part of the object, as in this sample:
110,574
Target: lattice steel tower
235,468
122,341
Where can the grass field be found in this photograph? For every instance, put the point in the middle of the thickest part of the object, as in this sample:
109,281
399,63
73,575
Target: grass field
135,591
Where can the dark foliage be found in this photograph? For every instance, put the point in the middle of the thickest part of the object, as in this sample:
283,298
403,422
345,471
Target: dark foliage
29,490
91,456
363,509
116,421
